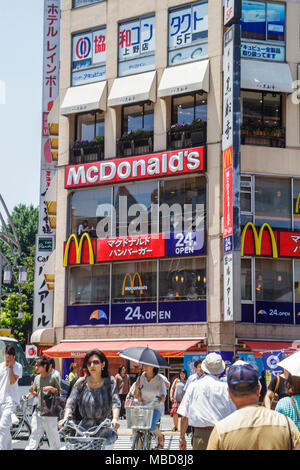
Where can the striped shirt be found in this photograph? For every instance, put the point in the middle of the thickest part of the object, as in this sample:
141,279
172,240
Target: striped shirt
285,407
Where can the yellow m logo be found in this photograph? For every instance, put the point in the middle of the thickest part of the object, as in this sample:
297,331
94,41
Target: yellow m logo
228,158
78,248
131,281
258,238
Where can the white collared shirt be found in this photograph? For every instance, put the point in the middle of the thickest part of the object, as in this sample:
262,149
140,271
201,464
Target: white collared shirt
9,392
206,402
192,379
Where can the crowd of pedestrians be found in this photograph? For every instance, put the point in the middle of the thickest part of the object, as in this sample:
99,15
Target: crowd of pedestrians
223,406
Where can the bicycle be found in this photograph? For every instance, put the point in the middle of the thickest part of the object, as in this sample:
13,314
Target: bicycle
23,413
85,439
139,417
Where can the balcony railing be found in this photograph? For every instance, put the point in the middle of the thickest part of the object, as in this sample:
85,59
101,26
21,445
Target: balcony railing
264,136
186,136
130,145
87,153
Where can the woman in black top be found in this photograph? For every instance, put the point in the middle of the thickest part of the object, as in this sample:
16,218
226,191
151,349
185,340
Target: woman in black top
273,389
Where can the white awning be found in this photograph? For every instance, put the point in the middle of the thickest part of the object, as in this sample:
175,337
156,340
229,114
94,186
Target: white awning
53,116
43,335
85,98
266,76
185,78
134,88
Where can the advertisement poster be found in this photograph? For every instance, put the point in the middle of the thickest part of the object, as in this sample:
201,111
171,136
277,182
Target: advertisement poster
88,57
188,34
270,361
137,46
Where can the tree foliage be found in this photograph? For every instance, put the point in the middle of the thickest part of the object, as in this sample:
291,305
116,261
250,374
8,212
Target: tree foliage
25,220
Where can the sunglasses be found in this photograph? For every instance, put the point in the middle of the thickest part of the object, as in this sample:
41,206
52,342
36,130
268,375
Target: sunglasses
96,362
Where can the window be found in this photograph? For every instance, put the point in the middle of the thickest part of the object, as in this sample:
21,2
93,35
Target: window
188,33
138,117
187,109
89,284
88,56
296,204
182,279
273,202
89,125
82,3
132,204
246,199
134,282
274,280
85,205
137,46
185,202
297,281
263,21
262,108
246,279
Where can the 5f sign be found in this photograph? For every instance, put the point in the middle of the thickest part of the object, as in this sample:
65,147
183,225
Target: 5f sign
232,11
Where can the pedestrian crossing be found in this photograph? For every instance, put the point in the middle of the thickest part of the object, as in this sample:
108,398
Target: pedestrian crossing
171,442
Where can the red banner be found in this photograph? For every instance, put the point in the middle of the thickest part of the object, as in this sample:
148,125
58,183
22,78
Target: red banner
289,244
131,247
120,170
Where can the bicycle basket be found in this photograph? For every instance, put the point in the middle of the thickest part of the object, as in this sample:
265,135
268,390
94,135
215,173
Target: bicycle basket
84,443
139,417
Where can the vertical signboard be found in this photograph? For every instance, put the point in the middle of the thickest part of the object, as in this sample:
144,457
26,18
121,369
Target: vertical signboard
43,302
231,166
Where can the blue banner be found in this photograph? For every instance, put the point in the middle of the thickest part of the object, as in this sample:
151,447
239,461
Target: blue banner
274,312
185,243
270,361
88,315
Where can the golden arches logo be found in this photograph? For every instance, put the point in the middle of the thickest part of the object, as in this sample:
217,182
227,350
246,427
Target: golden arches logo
131,281
258,238
227,157
297,204
78,248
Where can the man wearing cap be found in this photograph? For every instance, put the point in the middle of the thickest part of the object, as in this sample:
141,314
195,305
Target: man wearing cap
251,427
204,403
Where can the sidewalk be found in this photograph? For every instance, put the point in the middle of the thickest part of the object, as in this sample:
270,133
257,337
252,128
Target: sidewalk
166,426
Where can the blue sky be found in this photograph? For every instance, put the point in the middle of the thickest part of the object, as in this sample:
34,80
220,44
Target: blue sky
21,56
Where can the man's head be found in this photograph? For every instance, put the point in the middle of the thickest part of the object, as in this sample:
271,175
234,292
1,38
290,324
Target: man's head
243,384
198,369
213,364
42,365
10,355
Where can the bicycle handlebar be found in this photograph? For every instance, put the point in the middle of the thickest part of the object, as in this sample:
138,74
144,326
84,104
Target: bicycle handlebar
86,433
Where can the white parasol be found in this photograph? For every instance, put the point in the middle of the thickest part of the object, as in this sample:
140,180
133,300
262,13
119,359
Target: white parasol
291,364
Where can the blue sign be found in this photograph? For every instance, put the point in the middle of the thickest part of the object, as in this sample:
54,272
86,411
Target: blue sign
189,360
185,243
88,315
297,313
169,312
274,312
247,313
228,244
271,368
254,361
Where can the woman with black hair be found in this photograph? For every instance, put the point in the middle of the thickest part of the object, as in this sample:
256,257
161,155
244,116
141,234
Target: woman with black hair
123,384
95,394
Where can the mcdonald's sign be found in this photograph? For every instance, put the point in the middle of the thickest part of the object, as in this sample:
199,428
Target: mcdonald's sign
297,204
260,245
79,252
227,154
132,286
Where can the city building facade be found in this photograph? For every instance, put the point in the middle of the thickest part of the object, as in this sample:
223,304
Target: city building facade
139,181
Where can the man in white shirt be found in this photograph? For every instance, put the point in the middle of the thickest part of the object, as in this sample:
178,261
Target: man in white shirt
10,372
196,376
204,403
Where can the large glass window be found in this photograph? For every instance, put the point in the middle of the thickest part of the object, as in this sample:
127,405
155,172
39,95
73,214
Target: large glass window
182,204
246,279
182,279
89,126
273,202
274,280
262,108
132,204
296,203
134,282
138,117
263,20
187,109
89,284
90,205
297,281
137,45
